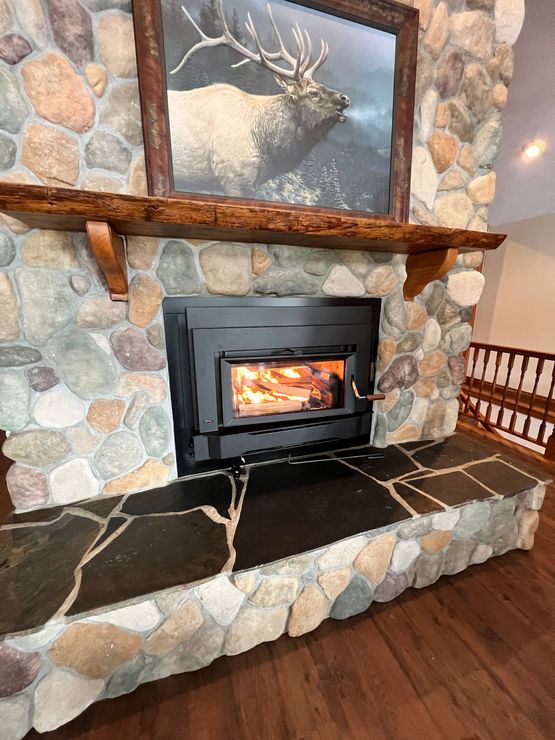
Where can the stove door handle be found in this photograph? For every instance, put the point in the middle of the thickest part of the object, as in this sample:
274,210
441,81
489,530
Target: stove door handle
367,397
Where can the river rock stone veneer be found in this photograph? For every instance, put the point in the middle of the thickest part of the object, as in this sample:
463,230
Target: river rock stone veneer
146,585
78,372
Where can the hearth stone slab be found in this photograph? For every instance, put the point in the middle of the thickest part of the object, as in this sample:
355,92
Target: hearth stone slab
454,451
501,478
308,505
374,462
416,500
184,495
452,489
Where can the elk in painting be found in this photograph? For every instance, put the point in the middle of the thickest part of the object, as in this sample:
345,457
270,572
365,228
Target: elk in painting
226,139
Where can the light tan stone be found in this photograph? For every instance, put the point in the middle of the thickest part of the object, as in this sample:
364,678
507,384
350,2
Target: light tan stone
5,17
405,433
334,582
82,441
442,115
528,524
226,268
342,282
499,96
431,363
49,249
453,180
482,189
386,352
424,387
154,385
435,541
177,628
374,559
443,148
253,626
423,177
58,93
101,184
389,401
60,696
473,32
31,20
245,582
438,31
478,222
341,554
261,261
509,17
416,315
425,8
97,78
145,297
141,251
137,177
467,159
117,45
275,590
95,650
98,312
473,259
465,288
51,155
454,210
151,474
9,324
308,611
104,414
381,281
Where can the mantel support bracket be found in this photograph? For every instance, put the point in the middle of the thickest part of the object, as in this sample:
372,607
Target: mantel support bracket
427,266
108,250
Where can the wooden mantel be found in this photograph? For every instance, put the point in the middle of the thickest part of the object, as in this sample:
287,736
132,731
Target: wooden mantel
432,249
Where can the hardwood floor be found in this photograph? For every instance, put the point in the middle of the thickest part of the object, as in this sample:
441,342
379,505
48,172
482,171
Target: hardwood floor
469,658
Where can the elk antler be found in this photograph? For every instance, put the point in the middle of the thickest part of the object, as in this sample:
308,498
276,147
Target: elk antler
300,63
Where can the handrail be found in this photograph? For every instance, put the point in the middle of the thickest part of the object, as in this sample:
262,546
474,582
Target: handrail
503,379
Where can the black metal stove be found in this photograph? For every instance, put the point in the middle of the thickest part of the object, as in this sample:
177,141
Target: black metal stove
252,375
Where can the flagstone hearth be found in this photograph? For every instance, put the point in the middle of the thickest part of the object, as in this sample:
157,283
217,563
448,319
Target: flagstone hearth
100,596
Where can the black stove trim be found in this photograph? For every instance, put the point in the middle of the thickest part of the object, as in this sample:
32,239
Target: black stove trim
213,447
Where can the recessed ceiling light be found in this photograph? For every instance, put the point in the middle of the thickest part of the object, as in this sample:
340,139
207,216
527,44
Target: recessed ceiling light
533,149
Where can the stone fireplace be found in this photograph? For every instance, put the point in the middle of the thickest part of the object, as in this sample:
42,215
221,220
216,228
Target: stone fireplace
94,410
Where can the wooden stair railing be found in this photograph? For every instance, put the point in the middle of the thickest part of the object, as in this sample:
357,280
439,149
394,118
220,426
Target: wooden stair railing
501,392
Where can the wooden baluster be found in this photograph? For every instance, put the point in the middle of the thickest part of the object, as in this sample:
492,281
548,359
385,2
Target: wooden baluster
523,369
549,401
484,368
475,353
539,370
510,363
498,360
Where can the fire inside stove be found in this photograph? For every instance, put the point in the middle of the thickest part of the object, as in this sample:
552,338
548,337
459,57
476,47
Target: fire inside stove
284,387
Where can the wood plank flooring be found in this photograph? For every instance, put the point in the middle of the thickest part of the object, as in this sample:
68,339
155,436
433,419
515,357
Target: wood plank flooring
469,658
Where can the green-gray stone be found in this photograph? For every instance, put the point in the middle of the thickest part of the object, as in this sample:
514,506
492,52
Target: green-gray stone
434,299
473,517
427,569
7,250
392,585
381,258
409,342
154,429
488,141
446,313
458,555
286,283
356,598
320,261
126,678
287,256
84,367
457,339
97,5
8,151
14,401
122,112
17,355
119,453
177,270
36,448
13,110
460,122
106,151
400,412
48,303
414,528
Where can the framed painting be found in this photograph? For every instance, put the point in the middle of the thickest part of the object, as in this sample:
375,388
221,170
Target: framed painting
307,106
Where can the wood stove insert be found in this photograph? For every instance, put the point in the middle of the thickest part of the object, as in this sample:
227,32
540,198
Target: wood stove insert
255,375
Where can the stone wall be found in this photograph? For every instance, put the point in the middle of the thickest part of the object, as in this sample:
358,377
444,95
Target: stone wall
83,381
54,674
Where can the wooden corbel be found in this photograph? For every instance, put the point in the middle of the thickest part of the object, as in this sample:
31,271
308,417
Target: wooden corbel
108,250
427,266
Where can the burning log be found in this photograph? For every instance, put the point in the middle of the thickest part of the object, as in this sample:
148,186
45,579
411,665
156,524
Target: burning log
269,407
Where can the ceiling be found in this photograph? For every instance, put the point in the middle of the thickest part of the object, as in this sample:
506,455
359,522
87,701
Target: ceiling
526,188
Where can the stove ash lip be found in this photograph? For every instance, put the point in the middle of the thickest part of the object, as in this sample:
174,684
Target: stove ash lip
207,335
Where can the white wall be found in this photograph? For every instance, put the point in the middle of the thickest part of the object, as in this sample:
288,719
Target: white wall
517,307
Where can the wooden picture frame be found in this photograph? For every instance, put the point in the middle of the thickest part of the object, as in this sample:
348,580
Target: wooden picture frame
386,16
